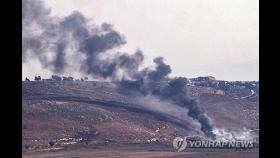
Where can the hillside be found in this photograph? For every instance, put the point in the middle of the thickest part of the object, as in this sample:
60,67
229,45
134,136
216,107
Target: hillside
66,114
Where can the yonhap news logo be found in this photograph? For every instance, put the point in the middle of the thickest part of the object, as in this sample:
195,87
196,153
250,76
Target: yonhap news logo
181,143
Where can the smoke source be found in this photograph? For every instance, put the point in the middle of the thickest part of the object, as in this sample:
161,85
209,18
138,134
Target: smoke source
70,44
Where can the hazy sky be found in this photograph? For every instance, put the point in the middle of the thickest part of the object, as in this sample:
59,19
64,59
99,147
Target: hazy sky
196,37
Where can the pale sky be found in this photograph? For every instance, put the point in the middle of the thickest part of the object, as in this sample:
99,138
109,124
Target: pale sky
196,37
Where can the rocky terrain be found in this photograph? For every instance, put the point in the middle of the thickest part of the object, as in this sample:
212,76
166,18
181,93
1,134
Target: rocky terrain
99,117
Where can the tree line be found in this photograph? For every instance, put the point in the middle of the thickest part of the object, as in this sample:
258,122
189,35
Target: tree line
57,78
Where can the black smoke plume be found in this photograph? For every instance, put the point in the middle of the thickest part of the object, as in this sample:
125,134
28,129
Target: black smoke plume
73,35
176,90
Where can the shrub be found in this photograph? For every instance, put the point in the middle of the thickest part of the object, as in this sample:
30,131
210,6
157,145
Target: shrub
51,143
56,78
37,78
67,78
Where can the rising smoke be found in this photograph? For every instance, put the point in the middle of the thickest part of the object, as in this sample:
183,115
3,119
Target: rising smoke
56,42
